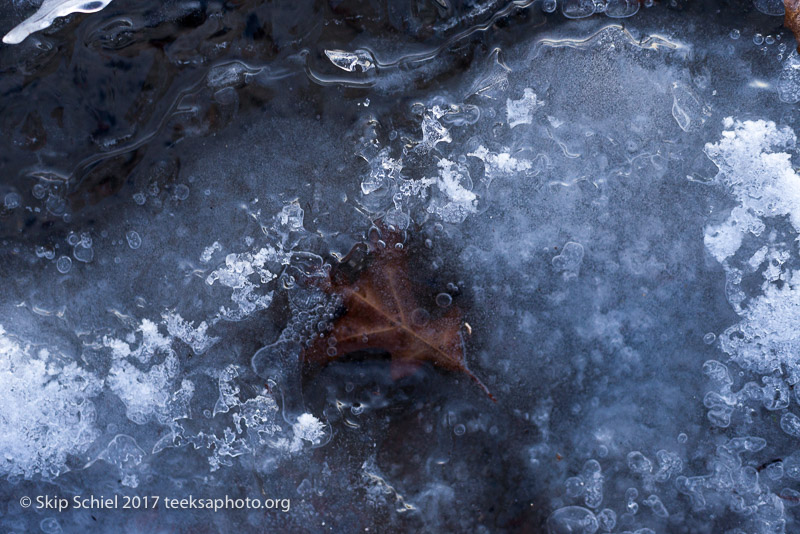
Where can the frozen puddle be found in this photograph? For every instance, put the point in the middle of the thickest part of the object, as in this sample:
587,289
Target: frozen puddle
491,267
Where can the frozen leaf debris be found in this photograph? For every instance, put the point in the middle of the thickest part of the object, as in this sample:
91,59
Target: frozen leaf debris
351,61
791,18
382,313
48,12
46,412
753,164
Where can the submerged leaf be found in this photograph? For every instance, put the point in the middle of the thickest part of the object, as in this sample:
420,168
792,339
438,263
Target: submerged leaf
381,312
791,18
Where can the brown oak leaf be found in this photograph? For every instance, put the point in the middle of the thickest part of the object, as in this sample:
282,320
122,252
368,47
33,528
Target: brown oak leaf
791,18
381,312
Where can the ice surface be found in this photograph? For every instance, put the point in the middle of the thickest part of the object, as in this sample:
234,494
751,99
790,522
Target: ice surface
182,180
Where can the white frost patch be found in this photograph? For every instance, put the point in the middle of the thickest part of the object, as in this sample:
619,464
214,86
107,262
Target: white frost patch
48,12
209,251
500,163
768,335
759,176
455,184
755,164
433,132
451,183
45,411
146,392
723,240
245,273
197,338
521,111
307,428
151,342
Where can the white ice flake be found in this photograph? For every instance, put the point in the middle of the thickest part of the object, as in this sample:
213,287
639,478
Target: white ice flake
48,12
521,111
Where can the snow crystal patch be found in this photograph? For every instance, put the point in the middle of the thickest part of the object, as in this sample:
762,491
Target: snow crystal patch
151,343
254,425
723,240
383,170
197,338
124,453
433,132
521,111
209,251
292,216
45,413
500,163
755,165
351,61
761,179
146,392
236,274
450,182
768,337
460,202
307,428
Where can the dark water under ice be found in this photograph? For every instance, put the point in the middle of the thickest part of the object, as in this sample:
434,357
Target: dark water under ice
610,201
